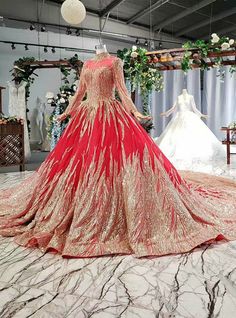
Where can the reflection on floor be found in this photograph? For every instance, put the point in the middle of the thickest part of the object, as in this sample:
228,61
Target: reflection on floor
37,157
201,283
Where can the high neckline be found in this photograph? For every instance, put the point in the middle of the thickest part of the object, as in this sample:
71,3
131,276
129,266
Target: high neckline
100,56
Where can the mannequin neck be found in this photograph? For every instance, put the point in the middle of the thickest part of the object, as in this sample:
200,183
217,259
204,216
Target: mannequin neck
101,48
184,92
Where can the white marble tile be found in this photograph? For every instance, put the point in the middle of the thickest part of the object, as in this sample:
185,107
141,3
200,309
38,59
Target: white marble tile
201,283
13,178
23,302
29,267
184,285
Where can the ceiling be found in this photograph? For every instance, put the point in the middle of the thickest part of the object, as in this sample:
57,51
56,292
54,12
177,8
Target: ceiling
190,19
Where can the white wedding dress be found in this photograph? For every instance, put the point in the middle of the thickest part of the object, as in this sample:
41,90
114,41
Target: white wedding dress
187,141
17,107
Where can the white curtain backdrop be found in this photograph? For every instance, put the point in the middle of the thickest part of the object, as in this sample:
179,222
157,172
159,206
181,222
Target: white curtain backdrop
217,99
174,82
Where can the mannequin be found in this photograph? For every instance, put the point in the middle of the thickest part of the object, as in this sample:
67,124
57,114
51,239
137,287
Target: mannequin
40,106
47,140
101,48
187,141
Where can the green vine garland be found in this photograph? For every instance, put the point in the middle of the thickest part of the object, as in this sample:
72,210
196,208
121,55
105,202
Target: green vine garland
204,49
140,73
22,72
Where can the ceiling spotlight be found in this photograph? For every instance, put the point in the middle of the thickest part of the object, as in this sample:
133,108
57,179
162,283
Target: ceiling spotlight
53,50
43,28
160,45
45,49
13,46
26,47
137,41
77,32
68,31
146,43
32,27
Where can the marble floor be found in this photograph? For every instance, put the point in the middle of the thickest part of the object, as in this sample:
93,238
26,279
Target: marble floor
201,283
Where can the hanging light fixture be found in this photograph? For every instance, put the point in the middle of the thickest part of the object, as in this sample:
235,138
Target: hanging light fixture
73,11
13,47
137,41
146,43
68,31
32,27
77,32
53,50
45,49
43,28
160,45
26,47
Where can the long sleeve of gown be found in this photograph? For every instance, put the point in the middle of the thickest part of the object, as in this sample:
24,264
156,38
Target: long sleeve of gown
194,107
79,95
170,111
121,87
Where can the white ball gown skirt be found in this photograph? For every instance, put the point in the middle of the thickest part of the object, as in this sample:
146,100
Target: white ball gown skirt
188,142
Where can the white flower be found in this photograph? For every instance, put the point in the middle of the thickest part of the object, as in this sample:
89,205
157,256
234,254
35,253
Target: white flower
225,46
134,54
134,48
50,100
231,41
49,95
215,38
62,100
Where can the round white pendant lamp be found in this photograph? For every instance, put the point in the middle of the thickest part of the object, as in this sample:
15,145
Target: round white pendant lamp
73,11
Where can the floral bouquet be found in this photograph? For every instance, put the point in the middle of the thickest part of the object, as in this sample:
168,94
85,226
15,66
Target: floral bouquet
11,119
233,133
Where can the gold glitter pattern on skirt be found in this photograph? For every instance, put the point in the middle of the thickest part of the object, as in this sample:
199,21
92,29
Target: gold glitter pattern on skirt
107,188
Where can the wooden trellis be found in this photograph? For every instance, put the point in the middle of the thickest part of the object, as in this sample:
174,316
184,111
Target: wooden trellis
170,60
52,64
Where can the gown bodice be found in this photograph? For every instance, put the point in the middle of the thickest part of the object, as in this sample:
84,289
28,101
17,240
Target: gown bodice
99,78
184,103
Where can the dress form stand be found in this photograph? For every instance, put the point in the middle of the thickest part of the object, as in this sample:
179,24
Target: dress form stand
47,140
40,118
101,48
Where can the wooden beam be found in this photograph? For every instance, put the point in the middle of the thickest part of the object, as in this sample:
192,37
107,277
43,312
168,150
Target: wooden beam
147,10
182,14
110,7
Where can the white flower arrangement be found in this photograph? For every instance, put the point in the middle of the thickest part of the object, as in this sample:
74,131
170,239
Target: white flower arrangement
62,100
225,46
49,95
233,125
134,54
215,38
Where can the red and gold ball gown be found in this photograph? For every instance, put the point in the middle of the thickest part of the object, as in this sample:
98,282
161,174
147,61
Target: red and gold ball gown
108,189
